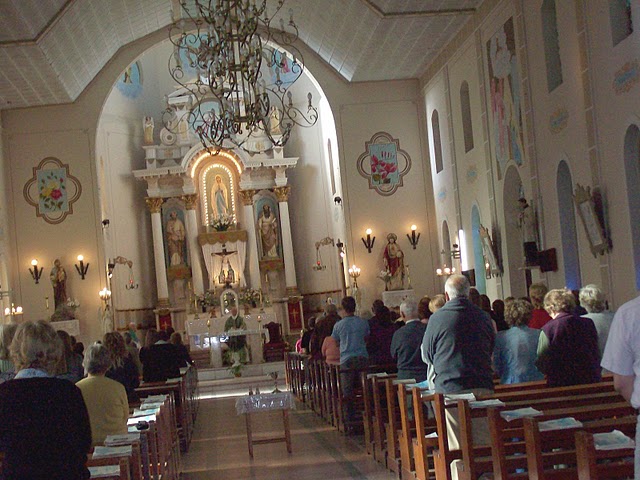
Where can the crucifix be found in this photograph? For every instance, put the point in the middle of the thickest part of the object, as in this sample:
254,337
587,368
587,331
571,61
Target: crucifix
295,314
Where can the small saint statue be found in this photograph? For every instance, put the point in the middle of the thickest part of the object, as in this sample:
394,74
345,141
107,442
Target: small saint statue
58,277
527,224
148,126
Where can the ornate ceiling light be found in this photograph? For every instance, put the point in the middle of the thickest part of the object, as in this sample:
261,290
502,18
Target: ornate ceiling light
239,72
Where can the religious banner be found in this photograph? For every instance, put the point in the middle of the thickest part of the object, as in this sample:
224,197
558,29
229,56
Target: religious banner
384,163
294,313
52,190
505,98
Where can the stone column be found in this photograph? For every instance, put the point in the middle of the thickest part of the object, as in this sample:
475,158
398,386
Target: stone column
190,202
252,239
282,193
154,204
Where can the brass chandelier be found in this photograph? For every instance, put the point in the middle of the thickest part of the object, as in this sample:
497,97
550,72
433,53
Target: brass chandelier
239,72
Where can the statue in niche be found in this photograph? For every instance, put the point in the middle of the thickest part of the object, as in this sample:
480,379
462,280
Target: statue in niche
175,239
219,198
528,224
394,263
148,126
268,228
58,277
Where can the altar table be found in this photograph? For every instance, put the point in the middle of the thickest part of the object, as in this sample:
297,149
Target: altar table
265,402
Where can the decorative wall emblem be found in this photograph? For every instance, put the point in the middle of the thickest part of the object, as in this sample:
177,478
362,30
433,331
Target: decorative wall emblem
442,194
384,163
52,190
505,97
130,82
625,78
472,174
558,120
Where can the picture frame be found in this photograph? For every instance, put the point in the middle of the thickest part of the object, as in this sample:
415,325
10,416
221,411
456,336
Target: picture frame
585,206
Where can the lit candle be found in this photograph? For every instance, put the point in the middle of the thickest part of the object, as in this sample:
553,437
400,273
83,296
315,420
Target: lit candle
46,302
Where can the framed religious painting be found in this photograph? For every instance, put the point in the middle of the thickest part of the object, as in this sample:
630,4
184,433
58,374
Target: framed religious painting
590,221
384,163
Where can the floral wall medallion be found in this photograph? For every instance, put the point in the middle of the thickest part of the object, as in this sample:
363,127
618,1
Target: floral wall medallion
559,120
442,194
472,174
625,78
384,163
52,190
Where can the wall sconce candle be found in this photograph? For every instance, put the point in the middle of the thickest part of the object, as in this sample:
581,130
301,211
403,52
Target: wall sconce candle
105,294
354,272
413,238
445,271
83,267
35,272
368,243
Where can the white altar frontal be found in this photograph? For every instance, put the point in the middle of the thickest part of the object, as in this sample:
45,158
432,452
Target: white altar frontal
393,298
219,218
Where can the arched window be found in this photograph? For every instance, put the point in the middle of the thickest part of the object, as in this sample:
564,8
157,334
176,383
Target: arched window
620,18
568,232
467,126
551,44
437,141
632,171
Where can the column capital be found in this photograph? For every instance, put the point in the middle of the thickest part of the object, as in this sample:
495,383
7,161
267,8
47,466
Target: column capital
247,196
282,193
190,201
154,204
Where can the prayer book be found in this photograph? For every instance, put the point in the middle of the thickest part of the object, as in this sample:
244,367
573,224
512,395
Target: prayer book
105,471
147,418
454,397
510,415
123,439
492,402
107,452
559,424
613,440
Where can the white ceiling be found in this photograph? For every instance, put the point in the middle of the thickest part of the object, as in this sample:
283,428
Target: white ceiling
51,49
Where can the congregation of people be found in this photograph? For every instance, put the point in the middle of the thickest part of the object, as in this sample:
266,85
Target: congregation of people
58,399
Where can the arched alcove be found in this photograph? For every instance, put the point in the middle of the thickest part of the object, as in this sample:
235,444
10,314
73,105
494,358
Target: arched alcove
551,44
632,172
566,212
513,236
467,125
478,255
437,140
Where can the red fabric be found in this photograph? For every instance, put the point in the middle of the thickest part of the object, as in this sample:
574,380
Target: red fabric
164,321
539,318
295,316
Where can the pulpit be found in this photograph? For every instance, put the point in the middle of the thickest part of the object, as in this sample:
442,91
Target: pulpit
274,349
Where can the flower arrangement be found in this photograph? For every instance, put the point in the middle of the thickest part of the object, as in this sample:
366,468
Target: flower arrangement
222,222
384,275
65,311
208,299
236,369
72,303
249,296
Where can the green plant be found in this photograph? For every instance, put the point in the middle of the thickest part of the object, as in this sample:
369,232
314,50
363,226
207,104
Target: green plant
236,369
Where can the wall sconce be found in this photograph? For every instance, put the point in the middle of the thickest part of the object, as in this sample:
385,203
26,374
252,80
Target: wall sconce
105,295
413,238
131,284
354,272
368,243
445,271
35,272
82,269
110,266
13,310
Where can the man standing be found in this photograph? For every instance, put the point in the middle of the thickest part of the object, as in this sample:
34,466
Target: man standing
237,343
621,356
351,333
405,345
459,343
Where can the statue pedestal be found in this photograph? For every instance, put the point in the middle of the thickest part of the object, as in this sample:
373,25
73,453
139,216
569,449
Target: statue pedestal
72,327
394,298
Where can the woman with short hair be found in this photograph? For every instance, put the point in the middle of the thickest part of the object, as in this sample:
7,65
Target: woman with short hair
515,351
568,351
105,398
44,424
593,300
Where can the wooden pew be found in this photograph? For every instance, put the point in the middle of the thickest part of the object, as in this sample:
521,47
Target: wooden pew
392,426
616,464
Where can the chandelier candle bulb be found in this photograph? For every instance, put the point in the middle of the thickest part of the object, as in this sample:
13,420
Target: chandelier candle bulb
414,237
370,241
35,272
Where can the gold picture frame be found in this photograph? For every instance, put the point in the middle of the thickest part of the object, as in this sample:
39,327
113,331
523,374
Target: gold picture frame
593,228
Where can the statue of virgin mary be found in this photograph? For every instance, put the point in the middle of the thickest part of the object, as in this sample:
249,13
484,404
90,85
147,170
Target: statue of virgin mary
219,197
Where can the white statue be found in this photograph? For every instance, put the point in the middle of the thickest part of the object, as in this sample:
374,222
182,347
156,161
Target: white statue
148,125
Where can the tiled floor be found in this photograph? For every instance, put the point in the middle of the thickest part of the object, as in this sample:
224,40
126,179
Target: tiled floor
219,448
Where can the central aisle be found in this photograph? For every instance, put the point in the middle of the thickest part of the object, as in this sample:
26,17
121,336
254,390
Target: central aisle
219,448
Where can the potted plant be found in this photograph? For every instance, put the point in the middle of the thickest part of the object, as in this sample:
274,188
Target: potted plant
236,369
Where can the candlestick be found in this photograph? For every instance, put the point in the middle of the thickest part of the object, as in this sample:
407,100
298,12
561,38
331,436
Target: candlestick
46,302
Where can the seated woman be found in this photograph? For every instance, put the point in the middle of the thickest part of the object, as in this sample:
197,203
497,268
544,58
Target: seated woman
515,351
159,359
123,369
106,399
44,424
183,351
7,368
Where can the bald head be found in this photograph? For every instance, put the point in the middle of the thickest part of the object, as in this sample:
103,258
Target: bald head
457,286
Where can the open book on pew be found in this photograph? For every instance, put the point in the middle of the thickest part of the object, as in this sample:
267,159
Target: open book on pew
613,440
154,399
144,413
373,375
559,424
135,420
174,380
519,413
492,402
122,439
454,397
109,452
150,406
105,471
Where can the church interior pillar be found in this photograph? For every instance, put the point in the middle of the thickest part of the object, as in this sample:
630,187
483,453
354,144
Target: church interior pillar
282,193
191,219
254,265
154,204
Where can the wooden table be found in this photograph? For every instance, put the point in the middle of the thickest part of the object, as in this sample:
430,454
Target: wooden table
266,402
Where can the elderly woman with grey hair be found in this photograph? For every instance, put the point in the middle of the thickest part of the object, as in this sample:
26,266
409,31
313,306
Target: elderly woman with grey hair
568,345
44,426
592,299
105,398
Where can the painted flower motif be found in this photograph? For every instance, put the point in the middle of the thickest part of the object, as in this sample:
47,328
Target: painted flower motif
56,194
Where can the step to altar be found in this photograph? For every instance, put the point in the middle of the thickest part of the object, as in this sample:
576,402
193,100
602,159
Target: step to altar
220,382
